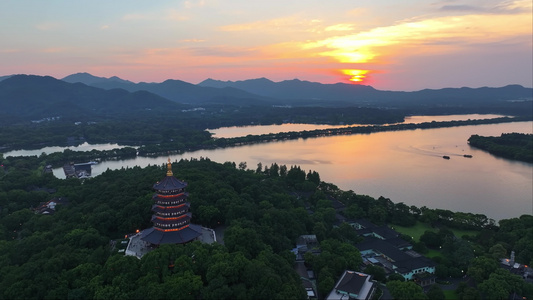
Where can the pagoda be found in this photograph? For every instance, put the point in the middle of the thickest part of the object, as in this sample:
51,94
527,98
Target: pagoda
171,216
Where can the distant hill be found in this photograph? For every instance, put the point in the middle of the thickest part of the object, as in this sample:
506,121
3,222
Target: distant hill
367,95
89,79
297,89
5,77
30,96
176,90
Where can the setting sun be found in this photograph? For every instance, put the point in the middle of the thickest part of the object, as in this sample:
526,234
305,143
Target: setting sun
356,76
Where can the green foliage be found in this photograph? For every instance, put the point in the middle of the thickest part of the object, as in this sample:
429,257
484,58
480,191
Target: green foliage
378,273
435,293
405,290
501,284
67,254
481,268
396,276
517,146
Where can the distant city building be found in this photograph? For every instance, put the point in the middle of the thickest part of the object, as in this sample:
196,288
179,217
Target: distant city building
171,216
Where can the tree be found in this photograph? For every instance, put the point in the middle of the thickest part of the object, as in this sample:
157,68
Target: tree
313,177
183,286
498,251
481,268
405,290
435,293
377,214
431,239
377,272
396,276
325,281
501,284
274,170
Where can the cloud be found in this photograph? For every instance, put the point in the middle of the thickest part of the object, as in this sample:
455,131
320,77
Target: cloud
55,50
461,8
191,4
221,51
340,27
514,7
505,7
192,41
137,17
287,24
12,50
48,26
437,35
169,15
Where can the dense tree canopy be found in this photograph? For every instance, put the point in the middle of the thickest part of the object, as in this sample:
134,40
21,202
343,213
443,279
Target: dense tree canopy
69,254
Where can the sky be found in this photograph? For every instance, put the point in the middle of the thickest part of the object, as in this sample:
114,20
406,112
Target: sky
391,45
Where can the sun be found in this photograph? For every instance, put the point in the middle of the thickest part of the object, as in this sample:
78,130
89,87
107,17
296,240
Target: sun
356,76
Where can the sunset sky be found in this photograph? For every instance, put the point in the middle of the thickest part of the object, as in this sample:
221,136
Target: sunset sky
391,45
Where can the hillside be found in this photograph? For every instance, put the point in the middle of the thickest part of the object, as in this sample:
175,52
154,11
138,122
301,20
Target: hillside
29,96
511,99
176,90
367,95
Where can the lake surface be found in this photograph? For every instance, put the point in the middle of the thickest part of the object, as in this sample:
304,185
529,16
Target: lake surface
83,147
228,132
405,166
237,131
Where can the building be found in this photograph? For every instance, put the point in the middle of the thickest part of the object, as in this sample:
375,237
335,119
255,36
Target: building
353,285
48,208
171,218
304,244
383,246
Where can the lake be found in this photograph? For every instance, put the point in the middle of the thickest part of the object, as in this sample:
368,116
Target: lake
83,147
237,131
405,166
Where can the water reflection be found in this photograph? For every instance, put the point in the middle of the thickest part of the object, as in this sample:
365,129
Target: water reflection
405,166
83,147
237,131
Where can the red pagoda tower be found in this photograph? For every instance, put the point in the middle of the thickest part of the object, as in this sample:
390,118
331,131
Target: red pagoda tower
171,216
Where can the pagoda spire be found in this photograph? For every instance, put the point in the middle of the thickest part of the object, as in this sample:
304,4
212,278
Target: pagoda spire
169,168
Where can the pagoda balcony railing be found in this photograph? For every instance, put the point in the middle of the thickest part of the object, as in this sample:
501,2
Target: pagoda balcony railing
171,209
177,202
170,192
173,225
172,214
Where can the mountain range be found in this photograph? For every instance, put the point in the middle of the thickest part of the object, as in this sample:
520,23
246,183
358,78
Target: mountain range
304,93
83,93
176,90
45,96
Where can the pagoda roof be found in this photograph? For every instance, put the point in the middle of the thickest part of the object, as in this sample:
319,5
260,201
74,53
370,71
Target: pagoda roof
169,183
157,197
184,235
171,220
159,209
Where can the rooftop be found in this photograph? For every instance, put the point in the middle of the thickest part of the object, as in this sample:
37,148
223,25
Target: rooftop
352,283
169,183
184,235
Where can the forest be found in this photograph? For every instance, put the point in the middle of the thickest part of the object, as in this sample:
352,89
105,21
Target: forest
517,146
70,255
